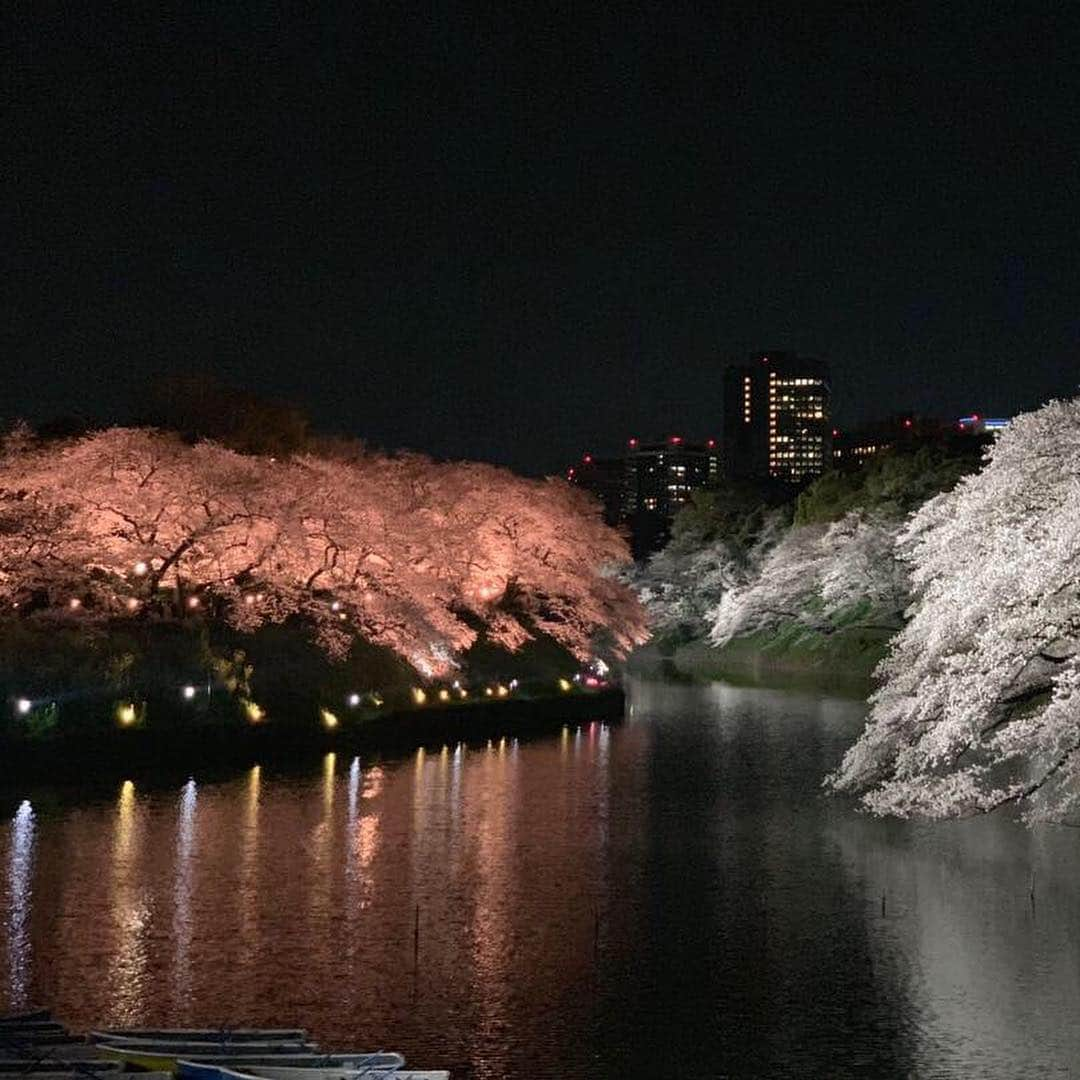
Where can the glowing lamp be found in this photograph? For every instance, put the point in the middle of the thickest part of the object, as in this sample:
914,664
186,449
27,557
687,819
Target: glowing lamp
74,603
444,695
336,605
140,568
125,715
131,604
675,440
711,444
632,443
354,700
249,599
253,712
587,458
907,423
565,685
260,597
330,721
502,691
488,692
23,706
189,692
193,602
418,695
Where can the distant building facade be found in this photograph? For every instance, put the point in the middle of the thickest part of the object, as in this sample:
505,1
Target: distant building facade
906,430
606,479
645,488
777,418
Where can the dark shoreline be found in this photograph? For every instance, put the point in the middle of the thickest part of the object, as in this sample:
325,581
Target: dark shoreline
222,749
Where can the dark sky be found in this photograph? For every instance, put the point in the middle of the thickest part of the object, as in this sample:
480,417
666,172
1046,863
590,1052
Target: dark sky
517,234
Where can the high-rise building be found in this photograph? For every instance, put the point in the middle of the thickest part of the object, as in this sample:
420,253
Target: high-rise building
645,488
777,418
659,479
605,478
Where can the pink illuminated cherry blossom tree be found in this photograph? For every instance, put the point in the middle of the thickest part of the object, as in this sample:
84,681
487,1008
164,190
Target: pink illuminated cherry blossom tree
403,551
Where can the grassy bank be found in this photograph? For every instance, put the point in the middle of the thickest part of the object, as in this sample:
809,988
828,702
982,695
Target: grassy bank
841,660
184,749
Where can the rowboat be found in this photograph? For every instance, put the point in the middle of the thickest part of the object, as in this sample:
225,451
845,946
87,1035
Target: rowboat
359,1072
163,1056
46,1037
41,1027
339,1061
373,1069
82,1074
209,1045
359,1064
30,1015
171,1035
65,1064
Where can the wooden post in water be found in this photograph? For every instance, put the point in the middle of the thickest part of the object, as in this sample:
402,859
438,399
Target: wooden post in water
883,903
416,940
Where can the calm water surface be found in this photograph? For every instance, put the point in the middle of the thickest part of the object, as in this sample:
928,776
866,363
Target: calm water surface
665,895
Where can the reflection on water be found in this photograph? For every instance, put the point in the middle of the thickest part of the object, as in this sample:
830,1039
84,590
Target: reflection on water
182,921
130,908
20,862
670,893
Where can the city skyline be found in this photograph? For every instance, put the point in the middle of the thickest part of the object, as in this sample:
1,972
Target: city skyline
507,237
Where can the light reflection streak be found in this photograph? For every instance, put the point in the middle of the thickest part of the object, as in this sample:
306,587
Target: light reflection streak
20,874
248,884
182,921
329,765
354,789
131,913
363,834
489,814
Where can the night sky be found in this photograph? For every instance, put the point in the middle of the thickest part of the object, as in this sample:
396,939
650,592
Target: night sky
516,232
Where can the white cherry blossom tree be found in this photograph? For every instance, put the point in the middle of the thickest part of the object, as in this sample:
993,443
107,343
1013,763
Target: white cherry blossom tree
979,705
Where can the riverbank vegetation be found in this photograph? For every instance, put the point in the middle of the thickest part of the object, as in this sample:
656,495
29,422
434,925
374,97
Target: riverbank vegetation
138,562
953,580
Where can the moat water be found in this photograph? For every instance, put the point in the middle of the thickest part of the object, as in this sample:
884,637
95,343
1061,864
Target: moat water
670,895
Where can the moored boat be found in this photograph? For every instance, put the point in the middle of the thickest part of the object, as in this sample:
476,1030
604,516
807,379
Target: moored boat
171,1035
64,1064
351,1065
358,1072
162,1056
86,1070
373,1068
27,1016
209,1045
342,1060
